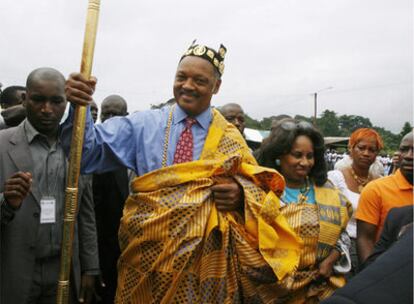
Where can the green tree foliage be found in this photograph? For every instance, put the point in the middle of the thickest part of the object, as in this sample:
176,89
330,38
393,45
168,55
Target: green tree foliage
349,123
391,140
328,124
407,128
251,122
266,123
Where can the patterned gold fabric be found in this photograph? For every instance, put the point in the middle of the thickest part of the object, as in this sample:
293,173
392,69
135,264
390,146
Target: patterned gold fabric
319,226
177,248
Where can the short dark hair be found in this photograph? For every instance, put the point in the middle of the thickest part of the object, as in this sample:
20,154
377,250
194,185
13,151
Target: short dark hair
117,99
44,73
227,105
280,142
9,96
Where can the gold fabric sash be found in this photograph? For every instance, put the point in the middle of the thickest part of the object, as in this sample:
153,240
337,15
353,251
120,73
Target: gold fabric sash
176,246
334,213
320,226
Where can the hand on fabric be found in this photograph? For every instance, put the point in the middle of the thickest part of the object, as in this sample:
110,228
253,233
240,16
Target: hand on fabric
326,266
87,290
16,188
228,194
79,90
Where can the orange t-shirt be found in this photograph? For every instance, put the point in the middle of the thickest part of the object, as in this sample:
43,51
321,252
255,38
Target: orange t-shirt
381,195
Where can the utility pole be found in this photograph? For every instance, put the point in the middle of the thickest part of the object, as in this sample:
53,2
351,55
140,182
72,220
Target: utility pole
315,104
315,109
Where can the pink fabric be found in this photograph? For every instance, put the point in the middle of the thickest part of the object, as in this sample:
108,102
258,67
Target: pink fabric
185,145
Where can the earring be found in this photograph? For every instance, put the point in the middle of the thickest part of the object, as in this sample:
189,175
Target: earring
277,162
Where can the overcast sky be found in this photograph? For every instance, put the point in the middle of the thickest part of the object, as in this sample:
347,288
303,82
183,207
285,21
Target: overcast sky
279,51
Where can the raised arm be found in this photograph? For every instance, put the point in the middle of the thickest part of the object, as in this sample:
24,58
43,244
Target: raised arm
106,146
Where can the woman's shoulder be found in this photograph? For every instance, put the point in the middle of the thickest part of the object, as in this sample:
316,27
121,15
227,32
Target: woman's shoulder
329,185
330,189
337,178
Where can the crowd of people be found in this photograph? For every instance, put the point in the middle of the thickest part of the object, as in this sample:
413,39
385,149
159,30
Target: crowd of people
175,207
384,164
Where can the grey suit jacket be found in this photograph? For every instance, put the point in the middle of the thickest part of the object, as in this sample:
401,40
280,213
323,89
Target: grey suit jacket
18,236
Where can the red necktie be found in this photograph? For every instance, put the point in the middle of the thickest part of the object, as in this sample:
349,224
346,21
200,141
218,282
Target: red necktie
184,149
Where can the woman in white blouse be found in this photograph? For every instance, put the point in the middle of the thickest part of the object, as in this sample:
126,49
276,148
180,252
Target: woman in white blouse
364,146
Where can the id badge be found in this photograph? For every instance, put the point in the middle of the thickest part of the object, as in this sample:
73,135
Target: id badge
47,210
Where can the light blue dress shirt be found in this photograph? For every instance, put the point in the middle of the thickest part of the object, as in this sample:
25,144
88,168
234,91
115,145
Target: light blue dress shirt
135,141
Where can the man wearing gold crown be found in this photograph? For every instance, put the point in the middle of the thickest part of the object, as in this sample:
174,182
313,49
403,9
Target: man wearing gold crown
202,224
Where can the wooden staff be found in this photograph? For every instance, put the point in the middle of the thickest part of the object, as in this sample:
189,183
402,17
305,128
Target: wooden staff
75,156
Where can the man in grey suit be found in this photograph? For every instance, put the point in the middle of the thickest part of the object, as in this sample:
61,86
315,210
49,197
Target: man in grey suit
32,186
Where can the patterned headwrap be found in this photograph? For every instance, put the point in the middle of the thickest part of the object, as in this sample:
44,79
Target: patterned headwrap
209,54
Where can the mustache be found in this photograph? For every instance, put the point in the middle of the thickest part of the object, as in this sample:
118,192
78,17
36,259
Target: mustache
188,92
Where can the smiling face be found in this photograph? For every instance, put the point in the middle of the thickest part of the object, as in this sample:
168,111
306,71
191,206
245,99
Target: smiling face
194,85
296,165
45,104
364,152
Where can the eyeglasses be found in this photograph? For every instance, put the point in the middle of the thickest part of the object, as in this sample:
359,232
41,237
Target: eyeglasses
292,125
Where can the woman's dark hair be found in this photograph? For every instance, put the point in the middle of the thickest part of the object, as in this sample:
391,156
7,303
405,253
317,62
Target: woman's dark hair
280,142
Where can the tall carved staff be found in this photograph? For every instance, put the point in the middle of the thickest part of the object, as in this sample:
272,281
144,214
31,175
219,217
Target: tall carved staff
71,198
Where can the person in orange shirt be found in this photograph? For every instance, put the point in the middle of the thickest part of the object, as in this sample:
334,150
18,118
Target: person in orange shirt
381,195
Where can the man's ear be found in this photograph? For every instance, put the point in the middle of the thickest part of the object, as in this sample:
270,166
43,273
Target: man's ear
24,98
217,86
